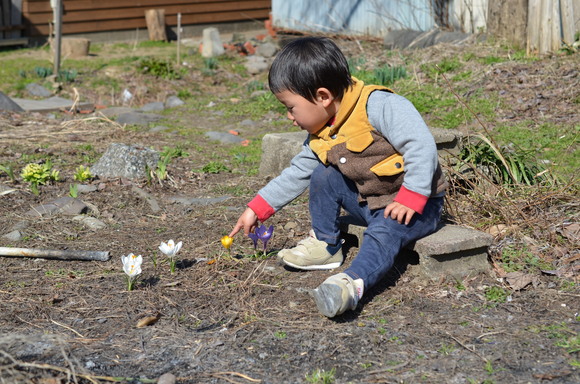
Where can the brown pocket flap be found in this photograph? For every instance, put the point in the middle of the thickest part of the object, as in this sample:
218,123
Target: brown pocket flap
392,165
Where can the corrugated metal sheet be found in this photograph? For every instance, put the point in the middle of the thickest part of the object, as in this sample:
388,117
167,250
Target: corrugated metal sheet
375,17
353,17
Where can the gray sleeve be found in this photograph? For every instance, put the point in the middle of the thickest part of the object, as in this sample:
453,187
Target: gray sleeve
398,120
292,181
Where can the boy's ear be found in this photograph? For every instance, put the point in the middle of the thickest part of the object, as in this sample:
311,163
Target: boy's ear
324,96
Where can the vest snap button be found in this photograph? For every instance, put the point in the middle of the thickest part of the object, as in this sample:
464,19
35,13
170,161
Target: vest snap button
397,165
342,160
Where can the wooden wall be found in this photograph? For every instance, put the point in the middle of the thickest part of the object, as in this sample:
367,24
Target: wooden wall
86,16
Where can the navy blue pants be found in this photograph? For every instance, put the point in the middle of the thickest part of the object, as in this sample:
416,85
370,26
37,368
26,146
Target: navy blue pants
384,237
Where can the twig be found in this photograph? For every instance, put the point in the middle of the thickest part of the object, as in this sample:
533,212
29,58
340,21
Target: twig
55,254
219,375
470,350
488,334
69,328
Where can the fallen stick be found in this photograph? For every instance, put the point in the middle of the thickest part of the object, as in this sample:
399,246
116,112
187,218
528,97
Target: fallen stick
54,254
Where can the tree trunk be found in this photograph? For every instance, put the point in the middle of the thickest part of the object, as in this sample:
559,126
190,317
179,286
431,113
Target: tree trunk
156,24
508,19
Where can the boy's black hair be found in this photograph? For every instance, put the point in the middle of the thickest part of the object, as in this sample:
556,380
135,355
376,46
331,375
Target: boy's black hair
309,63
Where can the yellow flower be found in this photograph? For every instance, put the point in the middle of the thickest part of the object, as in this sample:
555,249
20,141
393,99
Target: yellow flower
227,241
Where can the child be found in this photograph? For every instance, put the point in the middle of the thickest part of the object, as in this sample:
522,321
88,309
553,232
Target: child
368,152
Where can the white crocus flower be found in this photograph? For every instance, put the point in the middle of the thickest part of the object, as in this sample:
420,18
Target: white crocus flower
132,267
170,249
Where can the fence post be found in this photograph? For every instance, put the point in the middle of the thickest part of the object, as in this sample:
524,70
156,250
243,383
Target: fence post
567,13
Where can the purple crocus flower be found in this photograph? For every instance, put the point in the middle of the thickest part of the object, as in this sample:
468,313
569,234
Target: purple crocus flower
264,234
254,238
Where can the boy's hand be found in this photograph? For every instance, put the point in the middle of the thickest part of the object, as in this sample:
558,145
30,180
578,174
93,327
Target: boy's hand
399,212
247,221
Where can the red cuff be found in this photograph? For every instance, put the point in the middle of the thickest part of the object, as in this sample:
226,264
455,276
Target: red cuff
411,199
261,208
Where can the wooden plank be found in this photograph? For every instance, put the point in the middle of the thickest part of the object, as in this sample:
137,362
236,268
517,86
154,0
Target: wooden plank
12,42
133,12
126,24
533,29
567,15
544,28
16,17
556,31
44,6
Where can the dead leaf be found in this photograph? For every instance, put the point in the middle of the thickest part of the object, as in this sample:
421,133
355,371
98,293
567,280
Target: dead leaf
519,280
148,320
571,231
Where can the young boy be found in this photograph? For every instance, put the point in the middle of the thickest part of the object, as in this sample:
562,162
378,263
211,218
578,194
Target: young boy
368,151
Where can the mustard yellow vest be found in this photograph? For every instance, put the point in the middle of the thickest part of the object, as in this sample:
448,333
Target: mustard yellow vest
360,152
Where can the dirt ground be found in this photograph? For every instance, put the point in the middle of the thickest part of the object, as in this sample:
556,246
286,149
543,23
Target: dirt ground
224,318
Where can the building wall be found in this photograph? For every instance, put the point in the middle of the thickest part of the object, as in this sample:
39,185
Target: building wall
92,16
353,17
376,17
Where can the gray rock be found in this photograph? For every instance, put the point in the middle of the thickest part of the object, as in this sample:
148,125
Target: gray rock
224,137
197,201
4,189
65,205
167,378
248,123
13,236
256,64
148,198
212,43
173,101
6,104
84,188
21,225
277,151
153,107
267,50
138,118
115,111
158,128
126,161
90,222
38,90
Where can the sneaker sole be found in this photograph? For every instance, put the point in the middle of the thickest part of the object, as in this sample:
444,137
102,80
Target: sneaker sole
328,299
313,267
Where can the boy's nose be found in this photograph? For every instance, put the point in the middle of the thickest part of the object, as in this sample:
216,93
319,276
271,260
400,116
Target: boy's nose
289,116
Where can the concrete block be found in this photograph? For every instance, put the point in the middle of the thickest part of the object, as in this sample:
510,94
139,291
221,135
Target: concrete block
212,43
278,149
75,47
452,251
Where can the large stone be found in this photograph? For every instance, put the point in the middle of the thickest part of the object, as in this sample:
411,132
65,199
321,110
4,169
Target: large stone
75,47
126,161
212,44
278,149
138,118
7,104
450,252
65,205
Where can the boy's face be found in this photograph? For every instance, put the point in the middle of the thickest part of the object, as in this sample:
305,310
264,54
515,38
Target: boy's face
309,116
